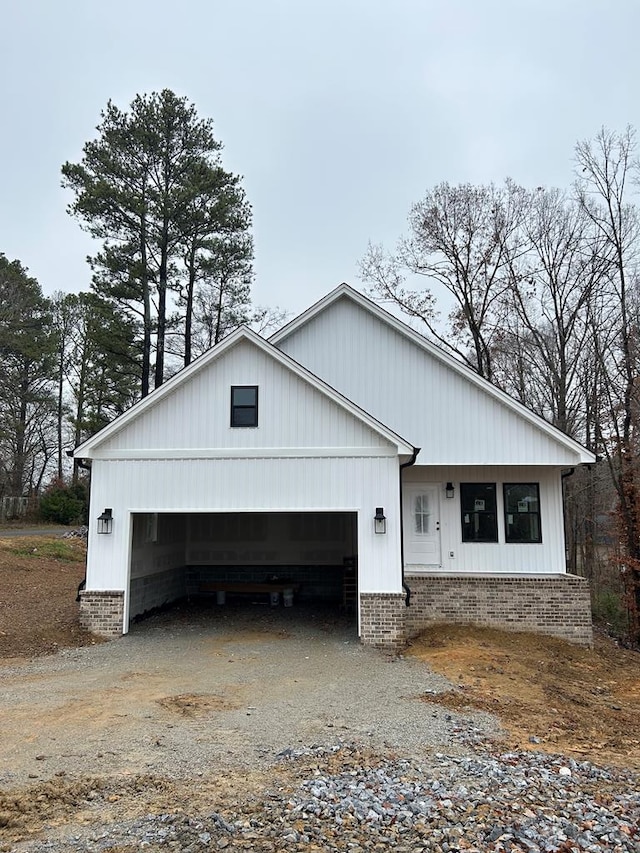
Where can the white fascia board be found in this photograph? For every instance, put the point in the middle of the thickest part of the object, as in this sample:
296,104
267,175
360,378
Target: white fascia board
87,449
584,456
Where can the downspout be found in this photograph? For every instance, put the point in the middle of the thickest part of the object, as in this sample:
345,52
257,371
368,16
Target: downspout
83,583
412,461
564,475
79,462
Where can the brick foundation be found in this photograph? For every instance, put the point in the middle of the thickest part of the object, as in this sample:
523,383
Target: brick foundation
382,620
102,612
557,605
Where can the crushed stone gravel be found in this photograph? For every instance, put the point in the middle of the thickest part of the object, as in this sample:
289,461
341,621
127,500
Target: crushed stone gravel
475,802
280,679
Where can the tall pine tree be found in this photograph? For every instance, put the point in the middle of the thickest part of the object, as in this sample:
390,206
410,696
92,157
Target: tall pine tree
152,189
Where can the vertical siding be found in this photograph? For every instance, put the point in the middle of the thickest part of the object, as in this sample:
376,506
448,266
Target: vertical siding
421,398
501,557
354,484
291,412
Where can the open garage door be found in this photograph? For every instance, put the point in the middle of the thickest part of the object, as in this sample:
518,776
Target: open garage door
283,558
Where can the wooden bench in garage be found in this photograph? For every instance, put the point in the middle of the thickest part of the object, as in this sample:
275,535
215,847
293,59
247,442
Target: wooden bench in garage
248,587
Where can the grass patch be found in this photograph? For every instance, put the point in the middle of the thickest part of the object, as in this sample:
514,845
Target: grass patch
68,551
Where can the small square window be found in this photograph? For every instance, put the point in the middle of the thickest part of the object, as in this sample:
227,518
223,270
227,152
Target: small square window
244,405
522,512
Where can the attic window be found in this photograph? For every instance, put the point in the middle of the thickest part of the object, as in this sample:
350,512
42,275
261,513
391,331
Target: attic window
244,405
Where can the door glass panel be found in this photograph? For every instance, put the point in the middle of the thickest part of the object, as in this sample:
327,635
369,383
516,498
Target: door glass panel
421,515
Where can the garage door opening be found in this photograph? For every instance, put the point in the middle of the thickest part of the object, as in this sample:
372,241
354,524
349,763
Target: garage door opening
234,558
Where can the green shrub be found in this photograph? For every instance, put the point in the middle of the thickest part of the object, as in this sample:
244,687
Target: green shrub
609,611
63,504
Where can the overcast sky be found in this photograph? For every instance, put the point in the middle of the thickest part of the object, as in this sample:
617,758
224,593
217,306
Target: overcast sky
338,114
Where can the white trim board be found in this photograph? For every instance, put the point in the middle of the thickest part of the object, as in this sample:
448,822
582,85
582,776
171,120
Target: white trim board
244,453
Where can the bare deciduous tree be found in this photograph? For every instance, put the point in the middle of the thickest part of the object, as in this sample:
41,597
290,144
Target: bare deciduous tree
462,240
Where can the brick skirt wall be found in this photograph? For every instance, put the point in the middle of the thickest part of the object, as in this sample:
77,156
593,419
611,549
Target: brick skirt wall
102,612
558,605
382,619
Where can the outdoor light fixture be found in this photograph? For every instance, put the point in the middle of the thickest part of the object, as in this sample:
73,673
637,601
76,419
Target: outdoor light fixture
105,521
449,490
379,521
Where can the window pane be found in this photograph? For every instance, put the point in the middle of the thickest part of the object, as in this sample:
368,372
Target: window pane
522,512
479,516
421,514
244,416
245,396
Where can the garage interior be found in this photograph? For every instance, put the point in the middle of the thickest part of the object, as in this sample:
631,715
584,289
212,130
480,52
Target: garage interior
303,557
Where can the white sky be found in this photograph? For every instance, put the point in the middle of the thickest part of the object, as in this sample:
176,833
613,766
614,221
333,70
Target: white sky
338,114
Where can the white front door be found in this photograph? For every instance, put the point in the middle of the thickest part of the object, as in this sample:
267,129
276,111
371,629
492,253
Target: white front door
421,512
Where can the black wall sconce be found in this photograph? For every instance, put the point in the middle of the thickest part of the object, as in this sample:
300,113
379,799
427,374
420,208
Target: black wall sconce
105,521
379,521
449,491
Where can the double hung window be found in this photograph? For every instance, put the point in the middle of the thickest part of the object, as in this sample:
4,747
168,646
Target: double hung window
244,405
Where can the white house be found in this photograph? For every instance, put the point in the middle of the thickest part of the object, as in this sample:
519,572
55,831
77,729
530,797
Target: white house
352,460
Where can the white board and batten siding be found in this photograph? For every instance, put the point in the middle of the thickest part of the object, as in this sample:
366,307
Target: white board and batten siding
458,557
356,484
195,416
418,392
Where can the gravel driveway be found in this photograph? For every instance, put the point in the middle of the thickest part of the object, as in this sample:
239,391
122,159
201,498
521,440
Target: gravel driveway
216,686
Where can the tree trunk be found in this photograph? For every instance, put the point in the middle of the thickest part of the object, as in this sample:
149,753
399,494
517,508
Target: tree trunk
146,303
162,304
188,317
17,479
60,407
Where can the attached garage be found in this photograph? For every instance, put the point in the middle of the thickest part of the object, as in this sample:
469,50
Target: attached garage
244,556
211,490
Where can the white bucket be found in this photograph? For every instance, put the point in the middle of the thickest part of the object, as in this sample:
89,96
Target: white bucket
287,597
274,598
221,596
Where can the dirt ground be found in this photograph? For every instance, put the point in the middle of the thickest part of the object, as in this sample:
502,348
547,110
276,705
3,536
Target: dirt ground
39,578
549,695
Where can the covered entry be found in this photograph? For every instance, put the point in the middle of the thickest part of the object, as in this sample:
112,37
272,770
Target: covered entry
243,555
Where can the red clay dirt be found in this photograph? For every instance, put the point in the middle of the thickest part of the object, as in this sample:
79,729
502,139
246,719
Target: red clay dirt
549,695
39,577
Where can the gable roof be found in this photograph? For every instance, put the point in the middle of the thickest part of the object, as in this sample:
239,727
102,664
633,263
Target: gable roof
88,447
344,291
